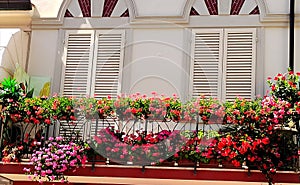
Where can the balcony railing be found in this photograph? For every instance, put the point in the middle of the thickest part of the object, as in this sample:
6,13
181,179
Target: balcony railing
20,139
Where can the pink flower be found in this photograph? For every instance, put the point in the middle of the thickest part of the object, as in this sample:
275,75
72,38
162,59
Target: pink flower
43,173
48,171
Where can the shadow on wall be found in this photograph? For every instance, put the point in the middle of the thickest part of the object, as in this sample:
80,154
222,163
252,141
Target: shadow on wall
15,52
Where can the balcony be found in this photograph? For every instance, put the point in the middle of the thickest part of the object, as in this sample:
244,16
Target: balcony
134,138
91,130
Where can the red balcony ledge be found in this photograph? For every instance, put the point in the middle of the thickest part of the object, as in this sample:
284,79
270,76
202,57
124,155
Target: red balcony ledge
151,175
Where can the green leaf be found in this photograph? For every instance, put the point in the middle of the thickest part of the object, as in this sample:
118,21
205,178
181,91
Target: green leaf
30,93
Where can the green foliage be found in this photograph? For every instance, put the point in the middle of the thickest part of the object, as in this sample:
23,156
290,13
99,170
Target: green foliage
286,86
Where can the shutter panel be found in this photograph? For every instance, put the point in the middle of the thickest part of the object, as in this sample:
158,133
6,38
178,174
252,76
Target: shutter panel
239,63
108,63
207,60
108,57
77,63
76,77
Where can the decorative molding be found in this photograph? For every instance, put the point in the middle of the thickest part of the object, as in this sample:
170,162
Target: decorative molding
96,8
124,23
162,14
199,9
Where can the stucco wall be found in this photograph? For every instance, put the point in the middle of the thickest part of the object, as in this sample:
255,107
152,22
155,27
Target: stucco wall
276,51
157,62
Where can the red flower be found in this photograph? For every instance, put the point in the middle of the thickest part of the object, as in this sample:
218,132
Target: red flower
265,140
133,111
236,163
47,121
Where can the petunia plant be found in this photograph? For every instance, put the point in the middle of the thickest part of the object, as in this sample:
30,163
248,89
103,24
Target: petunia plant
57,156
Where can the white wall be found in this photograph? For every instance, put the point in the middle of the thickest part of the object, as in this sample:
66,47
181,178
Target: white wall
43,53
157,62
276,51
46,8
277,6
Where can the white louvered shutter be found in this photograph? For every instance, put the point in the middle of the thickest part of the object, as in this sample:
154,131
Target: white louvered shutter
77,63
108,62
77,75
207,62
239,63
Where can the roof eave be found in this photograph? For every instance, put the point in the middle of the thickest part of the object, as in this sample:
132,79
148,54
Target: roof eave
17,18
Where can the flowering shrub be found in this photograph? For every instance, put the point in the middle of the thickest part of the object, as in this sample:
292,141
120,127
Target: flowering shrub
142,148
56,157
122,107
86,107
173,108
196,147
105,107
61,108
34,111
11,153
250,137
143,107
285,86
210,110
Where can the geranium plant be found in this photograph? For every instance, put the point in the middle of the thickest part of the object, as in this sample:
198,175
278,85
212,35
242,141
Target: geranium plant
138,147
250,138
285,86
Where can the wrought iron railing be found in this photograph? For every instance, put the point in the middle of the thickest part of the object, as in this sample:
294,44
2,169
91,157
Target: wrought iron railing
24,136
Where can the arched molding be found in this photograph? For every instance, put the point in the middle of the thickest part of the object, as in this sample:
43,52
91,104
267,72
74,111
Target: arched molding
52,22
62,10
263,10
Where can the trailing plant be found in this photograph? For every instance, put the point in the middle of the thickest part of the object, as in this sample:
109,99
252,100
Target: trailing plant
50,162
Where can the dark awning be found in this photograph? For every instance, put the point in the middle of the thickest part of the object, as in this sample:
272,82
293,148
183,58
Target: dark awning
15,5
